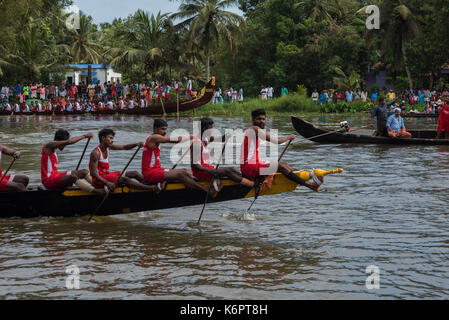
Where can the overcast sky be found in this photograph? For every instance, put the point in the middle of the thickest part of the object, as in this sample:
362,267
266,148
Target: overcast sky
107,10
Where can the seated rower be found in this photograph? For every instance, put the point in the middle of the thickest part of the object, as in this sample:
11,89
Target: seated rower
251,164
200,159
396,127
151,163
99,165
51,178
12,183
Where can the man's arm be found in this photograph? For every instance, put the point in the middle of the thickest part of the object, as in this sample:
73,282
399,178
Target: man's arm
127,146
267,137
157,139
52,145
10,152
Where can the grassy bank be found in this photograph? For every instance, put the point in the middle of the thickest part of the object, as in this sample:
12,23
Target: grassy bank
292,104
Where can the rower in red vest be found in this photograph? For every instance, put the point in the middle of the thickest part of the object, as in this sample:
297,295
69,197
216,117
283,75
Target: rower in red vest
251,165
99,165
50,175
12,183
443,119
200,159
151,163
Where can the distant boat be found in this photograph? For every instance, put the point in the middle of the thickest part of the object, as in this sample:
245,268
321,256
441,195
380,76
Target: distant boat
204,97
315,134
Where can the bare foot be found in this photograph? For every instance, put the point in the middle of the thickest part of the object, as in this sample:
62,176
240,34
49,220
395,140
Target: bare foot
100,192
313,186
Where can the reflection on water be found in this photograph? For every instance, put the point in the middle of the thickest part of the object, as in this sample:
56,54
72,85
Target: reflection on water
389,209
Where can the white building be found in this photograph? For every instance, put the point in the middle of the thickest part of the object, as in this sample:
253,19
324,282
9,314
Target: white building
100,72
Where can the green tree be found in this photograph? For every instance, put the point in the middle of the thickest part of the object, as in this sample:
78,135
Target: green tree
85,46
207,21
142,42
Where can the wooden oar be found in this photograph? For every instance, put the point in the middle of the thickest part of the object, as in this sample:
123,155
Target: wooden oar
164,184
82,156
177,106
6,172
163,108
336,131
279,160
121,174
211,182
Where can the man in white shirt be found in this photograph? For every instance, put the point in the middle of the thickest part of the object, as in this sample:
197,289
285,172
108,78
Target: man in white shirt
270,91
110,105
315,97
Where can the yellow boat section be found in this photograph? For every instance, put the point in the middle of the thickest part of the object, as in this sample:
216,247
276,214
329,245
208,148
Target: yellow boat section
280,185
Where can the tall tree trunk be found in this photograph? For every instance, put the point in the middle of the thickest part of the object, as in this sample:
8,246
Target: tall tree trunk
207,61
404,56
431,81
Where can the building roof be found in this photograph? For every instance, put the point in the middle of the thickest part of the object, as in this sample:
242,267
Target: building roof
86,66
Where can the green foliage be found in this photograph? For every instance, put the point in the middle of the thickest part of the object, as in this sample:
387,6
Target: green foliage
301,90
346,107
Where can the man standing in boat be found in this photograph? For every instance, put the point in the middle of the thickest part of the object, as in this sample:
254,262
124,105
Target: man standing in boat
51,177
200,159
99,165
12,183
251,165
151,164
380,112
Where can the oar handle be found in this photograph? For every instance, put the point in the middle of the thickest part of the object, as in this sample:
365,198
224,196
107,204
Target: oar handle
182,157
6,172
285,150
129,162
211,182
82,156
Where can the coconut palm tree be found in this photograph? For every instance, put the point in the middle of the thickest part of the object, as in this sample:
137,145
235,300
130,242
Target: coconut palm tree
208,22
33,55
399,23
317,10
85,46
143,42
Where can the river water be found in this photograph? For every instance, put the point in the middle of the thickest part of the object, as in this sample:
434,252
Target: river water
389,209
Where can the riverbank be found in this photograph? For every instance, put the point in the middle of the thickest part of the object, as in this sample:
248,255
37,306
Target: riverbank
291,104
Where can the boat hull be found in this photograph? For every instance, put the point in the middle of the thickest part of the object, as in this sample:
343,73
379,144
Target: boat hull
308,131
74,202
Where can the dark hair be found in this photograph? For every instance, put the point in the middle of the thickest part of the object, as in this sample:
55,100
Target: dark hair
381,99
62,135
105,133
258,112
206,122
159,123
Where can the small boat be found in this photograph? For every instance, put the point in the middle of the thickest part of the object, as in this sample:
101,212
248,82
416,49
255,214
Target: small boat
75,202
204,97
419,115
309,131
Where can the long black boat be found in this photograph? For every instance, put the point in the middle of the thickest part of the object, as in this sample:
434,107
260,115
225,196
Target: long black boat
420,115
75,202
309,131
